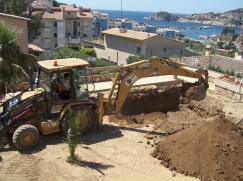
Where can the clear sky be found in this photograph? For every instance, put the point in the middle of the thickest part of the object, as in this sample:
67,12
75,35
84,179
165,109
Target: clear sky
171,6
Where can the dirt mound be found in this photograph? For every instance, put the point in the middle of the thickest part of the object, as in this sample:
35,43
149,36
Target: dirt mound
151,100
210,151
173,121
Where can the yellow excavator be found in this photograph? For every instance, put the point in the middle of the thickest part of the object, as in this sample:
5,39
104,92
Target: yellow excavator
45,107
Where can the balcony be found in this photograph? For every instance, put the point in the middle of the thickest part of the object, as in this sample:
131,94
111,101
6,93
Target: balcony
73,40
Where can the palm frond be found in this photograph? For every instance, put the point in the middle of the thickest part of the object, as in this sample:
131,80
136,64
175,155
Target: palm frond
75,120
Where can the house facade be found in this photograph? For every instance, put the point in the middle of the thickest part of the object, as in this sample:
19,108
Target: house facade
142,43
20,23
66,25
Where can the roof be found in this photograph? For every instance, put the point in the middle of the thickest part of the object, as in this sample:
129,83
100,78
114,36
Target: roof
86,15
53,15
137,35
35,48
16,17
63,64
58,15
69,8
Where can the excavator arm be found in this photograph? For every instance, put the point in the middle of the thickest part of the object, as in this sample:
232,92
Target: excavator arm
129,74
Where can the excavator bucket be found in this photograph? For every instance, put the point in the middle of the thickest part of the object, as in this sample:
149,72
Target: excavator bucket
200,93
194,91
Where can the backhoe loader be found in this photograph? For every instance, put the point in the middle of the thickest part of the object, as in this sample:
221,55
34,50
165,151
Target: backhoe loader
44,107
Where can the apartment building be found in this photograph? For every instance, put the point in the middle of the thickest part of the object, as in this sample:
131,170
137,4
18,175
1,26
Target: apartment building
100,23
66,25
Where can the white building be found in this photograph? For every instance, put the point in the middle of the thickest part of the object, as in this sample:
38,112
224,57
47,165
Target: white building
66,25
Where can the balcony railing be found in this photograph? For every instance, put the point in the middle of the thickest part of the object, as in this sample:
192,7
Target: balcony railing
73,40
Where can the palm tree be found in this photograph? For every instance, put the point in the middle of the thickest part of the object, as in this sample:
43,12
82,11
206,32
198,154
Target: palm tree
14,64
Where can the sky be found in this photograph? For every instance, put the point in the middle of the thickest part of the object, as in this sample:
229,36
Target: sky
171,6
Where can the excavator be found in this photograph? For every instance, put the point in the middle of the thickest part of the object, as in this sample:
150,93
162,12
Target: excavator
45,107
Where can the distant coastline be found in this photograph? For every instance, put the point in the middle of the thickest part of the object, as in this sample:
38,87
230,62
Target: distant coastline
193,33
231,18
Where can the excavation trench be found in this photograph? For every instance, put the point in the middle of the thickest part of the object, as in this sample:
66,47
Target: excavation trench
154,100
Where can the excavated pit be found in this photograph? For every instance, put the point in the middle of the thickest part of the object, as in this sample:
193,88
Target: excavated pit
151,100
210,151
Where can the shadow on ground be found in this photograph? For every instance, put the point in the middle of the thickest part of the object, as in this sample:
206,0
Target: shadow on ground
92,165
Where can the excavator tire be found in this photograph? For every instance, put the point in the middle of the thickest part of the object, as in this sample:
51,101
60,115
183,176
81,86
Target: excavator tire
26,137
88,123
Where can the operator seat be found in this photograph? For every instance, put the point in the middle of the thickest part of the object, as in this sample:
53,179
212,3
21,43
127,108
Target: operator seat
61,90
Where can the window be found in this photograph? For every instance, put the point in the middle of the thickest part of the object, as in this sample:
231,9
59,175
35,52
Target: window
55,45
46,45
138,50
68,13
55,24
79,33
55,35
78,23
164,49
80,83
46,35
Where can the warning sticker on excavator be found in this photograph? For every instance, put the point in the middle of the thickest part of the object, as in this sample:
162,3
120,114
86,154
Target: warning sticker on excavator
131,79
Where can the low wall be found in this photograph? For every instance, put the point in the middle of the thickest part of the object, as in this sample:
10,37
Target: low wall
229,85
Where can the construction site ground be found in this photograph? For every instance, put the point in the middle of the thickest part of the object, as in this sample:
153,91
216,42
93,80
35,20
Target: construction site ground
127,147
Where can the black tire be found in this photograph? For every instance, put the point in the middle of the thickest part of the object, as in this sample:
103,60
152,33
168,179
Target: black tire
88,123
26,137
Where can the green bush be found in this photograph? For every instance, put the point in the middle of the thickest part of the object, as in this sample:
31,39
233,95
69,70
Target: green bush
132,59
102,63
105,72
89,51
238,75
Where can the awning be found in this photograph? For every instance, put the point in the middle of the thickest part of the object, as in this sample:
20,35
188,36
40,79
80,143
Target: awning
34,48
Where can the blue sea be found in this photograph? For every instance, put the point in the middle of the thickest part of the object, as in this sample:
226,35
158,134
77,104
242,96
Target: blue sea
192,33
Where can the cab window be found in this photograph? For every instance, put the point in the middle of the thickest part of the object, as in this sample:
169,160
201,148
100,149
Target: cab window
80,83
45,81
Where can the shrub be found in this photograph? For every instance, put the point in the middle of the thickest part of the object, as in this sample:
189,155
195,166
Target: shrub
102,63
88,51
105,72
132,59
238,75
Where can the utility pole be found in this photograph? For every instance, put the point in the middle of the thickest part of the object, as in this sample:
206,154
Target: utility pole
121,10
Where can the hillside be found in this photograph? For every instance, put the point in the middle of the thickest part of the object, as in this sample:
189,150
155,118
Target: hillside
165,16
232,18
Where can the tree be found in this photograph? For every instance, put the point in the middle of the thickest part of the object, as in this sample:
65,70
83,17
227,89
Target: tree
34,26
75,119
15,7
220,44
14,64
228,30
19,8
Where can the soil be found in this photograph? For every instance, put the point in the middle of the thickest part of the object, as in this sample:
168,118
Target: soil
209,151
151,100
186,115
205,147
